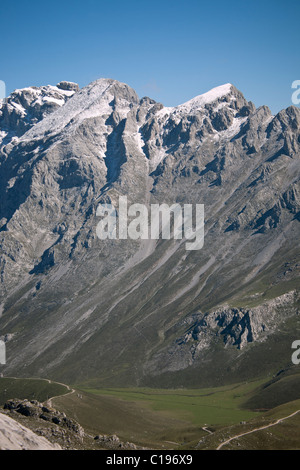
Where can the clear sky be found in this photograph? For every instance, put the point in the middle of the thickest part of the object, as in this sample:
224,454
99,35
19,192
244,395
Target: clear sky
169,50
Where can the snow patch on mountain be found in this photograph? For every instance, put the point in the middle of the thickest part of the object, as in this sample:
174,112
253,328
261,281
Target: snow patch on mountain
200,101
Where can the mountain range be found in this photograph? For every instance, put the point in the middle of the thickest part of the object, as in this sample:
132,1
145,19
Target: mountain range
147,312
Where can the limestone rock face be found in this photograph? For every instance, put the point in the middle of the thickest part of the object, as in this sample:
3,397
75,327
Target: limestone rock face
236,327
75,307
15,436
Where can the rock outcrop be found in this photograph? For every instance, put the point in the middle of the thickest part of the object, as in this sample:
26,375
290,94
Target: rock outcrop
235,327
35,409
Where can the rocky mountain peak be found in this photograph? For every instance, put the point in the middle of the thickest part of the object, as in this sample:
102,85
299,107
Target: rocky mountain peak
71,302
26,107
68,86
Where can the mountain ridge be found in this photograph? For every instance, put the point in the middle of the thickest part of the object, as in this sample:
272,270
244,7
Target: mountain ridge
75,307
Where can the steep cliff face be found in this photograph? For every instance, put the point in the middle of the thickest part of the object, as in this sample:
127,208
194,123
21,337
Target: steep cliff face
234,327
76,307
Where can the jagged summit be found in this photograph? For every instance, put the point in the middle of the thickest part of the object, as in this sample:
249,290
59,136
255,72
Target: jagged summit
26,107
208,97
33,111
97,99
68,86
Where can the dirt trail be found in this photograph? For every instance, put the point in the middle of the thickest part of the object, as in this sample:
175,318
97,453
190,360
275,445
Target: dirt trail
257,429
49,400
71,390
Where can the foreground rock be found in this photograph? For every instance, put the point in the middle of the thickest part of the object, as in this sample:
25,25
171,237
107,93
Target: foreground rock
54,426
15,436
37,410
46,422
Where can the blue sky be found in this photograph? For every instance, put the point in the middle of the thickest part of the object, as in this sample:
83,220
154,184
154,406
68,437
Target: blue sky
169,50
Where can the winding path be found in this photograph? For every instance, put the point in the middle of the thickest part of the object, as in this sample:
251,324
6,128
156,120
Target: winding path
71,390
257,429
49,400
